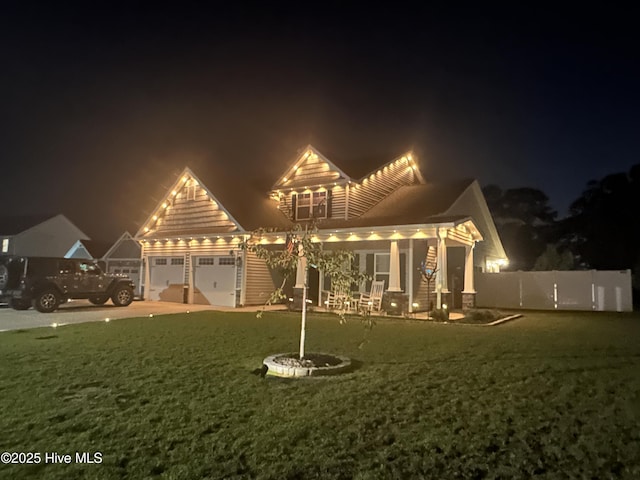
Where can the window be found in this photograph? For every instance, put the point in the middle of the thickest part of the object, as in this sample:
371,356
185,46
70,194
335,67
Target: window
311,204
67,267
191,192
206,261
177,261
5,245
161,261
381,268
227,261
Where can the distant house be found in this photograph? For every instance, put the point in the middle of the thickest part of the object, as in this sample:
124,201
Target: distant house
125,257
390,217
38,235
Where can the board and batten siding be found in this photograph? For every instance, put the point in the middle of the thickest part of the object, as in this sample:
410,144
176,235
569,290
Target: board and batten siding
377,186
259,280
193,211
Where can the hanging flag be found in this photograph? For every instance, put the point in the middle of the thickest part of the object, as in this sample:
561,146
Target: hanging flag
290,244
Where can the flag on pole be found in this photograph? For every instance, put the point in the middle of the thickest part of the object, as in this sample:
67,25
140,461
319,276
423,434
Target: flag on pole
290,244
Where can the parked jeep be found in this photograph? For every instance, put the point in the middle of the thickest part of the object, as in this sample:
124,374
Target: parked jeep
10,272
46,282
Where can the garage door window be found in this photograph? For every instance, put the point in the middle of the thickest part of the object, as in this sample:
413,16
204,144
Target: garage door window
206,261
227,261
161,261
177,261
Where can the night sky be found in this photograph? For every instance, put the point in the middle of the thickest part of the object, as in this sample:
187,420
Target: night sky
101,103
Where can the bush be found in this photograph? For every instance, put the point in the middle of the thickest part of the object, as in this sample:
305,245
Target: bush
440,315
481,315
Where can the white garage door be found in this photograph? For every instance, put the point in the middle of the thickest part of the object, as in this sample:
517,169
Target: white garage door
215,280
132,272
166,278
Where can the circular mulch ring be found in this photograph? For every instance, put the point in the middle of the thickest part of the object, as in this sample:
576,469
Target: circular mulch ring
313,364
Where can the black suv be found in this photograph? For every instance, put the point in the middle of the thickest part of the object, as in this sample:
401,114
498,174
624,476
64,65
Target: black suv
46,282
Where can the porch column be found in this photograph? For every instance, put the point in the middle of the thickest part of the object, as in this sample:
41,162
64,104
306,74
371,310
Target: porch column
394,267
301,269
147,277
469,292
410,279
442,288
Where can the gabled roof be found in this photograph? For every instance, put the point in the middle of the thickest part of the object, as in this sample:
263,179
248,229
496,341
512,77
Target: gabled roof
322,169
15,224
246,207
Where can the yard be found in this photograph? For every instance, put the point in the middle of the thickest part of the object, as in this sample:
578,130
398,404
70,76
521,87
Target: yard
551,394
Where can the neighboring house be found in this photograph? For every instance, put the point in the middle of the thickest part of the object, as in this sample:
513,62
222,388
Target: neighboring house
124,256
38,235
388,217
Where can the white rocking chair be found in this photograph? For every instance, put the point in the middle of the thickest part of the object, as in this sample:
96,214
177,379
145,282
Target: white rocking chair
373,299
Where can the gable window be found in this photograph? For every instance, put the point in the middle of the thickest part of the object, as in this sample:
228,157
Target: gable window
5,245
311,205
191,192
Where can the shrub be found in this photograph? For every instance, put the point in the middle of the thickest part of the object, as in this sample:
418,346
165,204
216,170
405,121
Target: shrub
440,315
482,315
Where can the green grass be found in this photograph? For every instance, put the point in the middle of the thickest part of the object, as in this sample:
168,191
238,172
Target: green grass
549,396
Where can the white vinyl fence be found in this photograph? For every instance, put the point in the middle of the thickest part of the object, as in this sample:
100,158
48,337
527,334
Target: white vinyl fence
574,290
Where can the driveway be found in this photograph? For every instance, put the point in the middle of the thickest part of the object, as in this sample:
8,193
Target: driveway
80,311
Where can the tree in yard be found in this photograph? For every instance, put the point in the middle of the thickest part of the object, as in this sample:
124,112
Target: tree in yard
338,265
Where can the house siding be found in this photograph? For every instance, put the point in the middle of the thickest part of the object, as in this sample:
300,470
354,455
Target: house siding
192,214
338,201
259,280
377,186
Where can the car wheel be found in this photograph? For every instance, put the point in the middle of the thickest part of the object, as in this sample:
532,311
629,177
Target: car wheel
19,304
122,297
98,300
47,301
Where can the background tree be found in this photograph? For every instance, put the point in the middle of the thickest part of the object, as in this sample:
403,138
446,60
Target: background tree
525,221
602,229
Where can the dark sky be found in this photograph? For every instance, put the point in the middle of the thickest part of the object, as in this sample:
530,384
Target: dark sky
102,102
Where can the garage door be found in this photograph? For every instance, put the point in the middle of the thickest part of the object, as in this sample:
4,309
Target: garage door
215,280
166,278
132,272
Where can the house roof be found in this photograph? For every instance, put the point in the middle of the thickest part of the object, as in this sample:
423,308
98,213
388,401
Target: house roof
96,248
409,205
251,207
15,224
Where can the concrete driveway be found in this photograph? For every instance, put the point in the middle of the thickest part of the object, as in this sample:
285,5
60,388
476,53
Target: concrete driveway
80,311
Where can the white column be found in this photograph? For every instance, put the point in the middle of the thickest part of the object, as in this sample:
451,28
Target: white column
442,261
320,287
410,279
469,286
301,269
147,277
441,273
191,276
394,267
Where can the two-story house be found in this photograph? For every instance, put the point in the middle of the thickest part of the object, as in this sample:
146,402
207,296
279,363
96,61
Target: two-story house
390,217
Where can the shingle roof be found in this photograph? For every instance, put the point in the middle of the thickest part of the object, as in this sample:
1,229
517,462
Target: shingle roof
15,224
409,205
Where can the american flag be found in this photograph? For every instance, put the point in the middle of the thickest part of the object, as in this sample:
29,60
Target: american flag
290,244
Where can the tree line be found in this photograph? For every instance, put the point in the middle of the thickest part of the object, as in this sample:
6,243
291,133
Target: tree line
602,230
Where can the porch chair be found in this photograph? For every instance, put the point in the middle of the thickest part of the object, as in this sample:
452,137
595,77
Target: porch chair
373,299
337,301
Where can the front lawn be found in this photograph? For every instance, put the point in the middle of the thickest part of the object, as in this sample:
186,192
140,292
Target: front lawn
550,395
